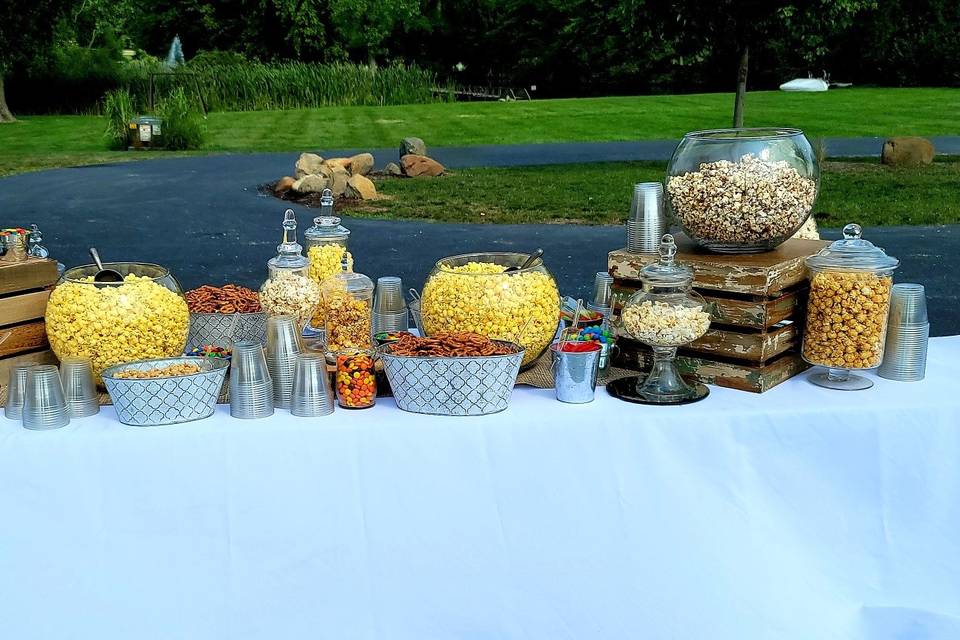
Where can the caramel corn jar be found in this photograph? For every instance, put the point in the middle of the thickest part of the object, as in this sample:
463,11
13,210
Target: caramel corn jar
847,311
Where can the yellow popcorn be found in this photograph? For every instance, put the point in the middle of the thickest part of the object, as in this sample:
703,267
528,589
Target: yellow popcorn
480,297
324,262
137,320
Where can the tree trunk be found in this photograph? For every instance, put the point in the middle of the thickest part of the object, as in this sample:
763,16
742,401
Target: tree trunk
5,115
741,86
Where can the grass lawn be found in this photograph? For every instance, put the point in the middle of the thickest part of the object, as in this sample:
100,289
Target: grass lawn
41,141
865,192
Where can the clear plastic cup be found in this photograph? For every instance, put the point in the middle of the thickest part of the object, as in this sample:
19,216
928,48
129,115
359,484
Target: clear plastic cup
44,404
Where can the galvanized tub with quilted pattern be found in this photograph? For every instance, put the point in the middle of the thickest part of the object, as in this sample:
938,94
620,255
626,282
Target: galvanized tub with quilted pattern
474,386
149,402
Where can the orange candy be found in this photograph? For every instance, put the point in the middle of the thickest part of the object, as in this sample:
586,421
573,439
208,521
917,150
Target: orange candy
356,384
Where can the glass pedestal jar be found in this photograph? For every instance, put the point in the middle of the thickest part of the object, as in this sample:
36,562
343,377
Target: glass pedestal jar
325,243
664,314
288,290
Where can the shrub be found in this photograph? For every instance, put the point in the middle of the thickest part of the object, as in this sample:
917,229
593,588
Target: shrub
183,126
118,109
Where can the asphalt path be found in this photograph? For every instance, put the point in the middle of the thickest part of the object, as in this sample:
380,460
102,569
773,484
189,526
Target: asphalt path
204,218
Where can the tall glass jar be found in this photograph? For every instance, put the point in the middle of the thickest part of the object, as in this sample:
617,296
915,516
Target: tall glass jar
288,289
846,328
143,317
347,307
325,243
665,314
742,190
475,292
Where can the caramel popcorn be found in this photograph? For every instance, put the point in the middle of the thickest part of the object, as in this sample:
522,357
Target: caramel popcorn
661,324
290,294
138,320
479,297
347,319
847,319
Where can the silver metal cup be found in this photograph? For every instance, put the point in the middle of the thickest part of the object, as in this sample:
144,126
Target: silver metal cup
16,386
312,393
79,389
251,387
44,405
574,374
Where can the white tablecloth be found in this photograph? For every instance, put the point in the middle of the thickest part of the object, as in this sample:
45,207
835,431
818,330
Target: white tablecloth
801,513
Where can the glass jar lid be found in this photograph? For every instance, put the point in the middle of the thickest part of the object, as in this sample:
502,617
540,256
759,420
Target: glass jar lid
665,272
289,252
326,226
852,253
352,281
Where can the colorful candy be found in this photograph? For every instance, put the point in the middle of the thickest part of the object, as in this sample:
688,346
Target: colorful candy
356,381
210,351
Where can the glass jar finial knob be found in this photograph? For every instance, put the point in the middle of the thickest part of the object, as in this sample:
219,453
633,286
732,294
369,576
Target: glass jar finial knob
668,249
852,231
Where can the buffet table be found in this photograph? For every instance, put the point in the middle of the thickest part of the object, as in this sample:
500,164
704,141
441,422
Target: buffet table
800,513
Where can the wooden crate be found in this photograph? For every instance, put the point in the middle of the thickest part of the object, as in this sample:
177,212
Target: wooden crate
755,377
24,289
759,306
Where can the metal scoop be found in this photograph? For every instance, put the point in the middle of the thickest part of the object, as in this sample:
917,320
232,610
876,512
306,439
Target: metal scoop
536,255
104,276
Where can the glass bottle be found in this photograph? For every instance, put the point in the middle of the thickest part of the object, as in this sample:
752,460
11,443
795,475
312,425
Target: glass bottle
288,290
846,326
664,314
325,243
356,379
347,305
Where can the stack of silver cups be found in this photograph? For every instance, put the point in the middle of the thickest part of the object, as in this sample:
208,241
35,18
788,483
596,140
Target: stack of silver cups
602,300
283,347
79,389
908,330
44,405
312,393
251,388
647,221
389,307
16,386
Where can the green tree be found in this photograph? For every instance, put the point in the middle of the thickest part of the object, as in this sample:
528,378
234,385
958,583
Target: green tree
366,25
27,30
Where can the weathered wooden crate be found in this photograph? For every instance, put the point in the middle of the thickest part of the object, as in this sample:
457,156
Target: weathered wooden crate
24,289
758,303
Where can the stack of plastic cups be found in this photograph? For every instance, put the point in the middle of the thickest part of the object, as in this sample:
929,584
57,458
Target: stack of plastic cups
251,388
44,405
312,393
389,307
908,330
16,386
647,221
283,347
602,301
79,389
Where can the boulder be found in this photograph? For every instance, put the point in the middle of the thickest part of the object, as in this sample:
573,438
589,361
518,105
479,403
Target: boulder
413,146
311,184
338,180
393,169
307,164
343,163
417,165
361,164
284,184
359,186
907,151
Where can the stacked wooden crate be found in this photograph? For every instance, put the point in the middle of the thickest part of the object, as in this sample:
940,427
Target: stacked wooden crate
754,340
24,289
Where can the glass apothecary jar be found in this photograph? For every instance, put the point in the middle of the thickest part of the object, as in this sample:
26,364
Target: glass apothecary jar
850,283
288,289
665,314
474,292
356,379
143,317
742,190
325,243
347,308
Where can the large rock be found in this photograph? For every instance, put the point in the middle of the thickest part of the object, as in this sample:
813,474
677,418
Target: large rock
362,187
416,165
284,184
343,163
413,146
393,169
361,164
338,180
307,164
907,151
311,184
